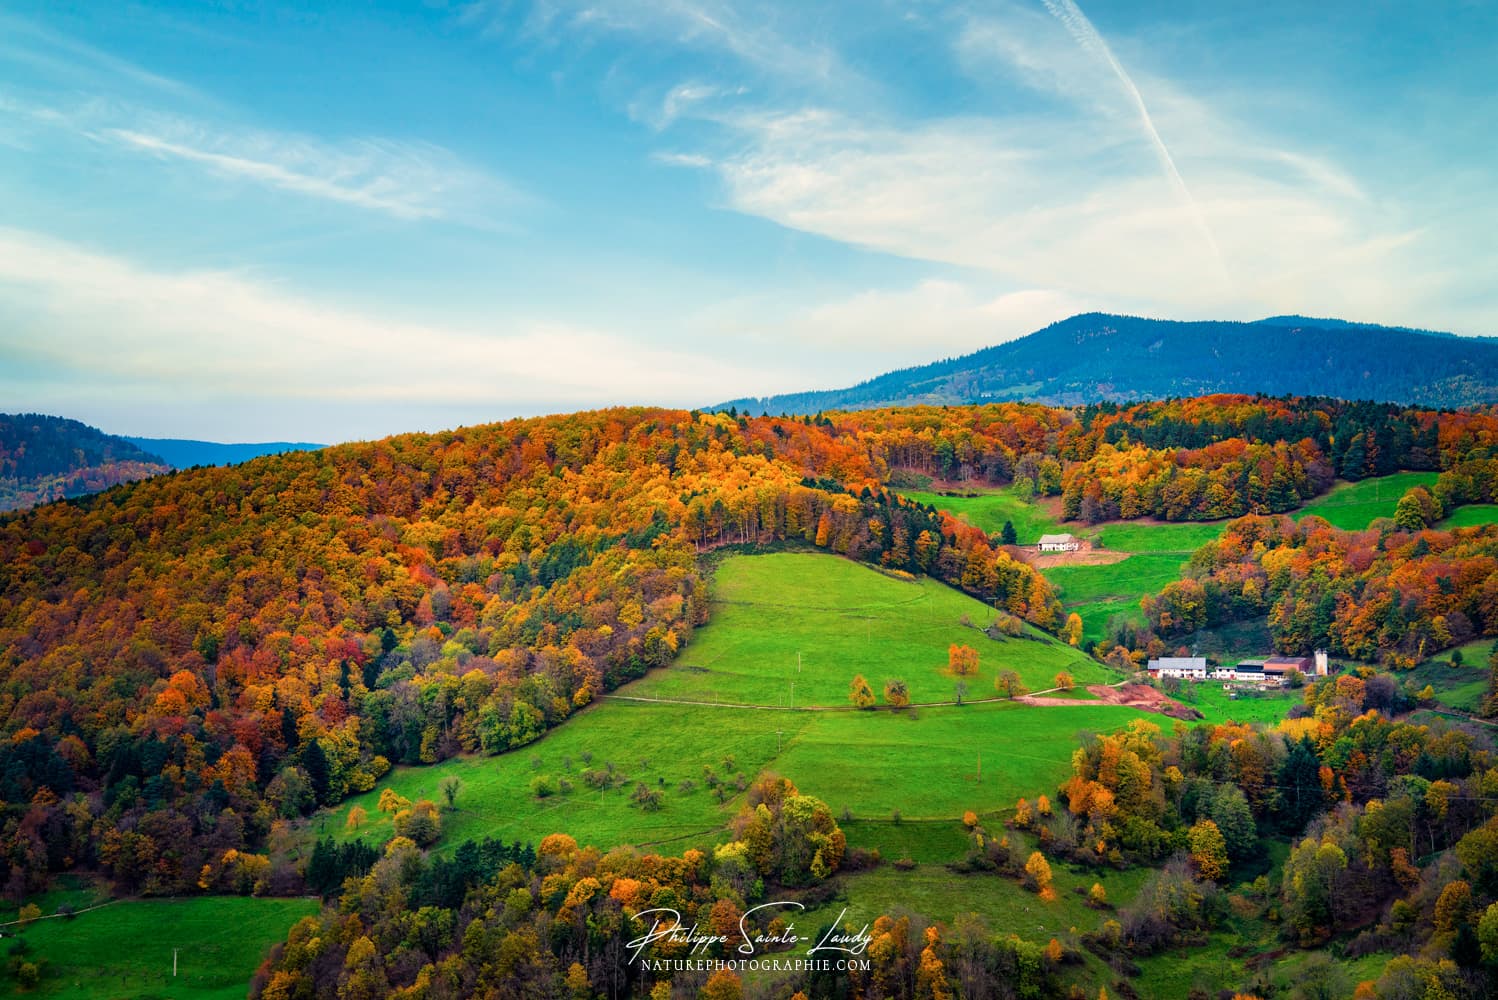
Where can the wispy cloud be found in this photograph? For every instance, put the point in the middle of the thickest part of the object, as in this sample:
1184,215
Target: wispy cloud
73,63
1087,35
753,36
1074,189
406,180
116,327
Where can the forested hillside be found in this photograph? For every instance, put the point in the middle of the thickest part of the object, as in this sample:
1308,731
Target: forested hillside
1095,357
49,458
192,662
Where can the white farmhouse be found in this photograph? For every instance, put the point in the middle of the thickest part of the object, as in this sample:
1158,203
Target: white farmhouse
1190,667
1058,543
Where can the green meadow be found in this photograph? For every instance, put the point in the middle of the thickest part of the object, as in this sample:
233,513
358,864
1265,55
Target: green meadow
924,764
1098,593
990,508
1353,506
1183,538
1463,686
929,764
124,949
1133,577
1007,907
1217,704
801,625
1472,516
661,746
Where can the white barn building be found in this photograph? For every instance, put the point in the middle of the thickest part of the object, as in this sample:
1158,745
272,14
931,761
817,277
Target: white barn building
1190,667
1058,543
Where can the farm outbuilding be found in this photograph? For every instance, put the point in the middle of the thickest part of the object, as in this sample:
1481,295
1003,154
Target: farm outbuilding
1058,543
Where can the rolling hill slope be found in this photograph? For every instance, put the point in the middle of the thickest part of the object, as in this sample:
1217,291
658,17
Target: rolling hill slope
1097,357
50,458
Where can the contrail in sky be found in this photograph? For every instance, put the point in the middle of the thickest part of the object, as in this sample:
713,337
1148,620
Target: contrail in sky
1087,36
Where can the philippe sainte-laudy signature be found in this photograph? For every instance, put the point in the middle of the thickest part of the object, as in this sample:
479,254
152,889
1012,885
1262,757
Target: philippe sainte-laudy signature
667,927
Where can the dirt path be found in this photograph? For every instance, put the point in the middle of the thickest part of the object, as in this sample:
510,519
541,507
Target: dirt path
1034,698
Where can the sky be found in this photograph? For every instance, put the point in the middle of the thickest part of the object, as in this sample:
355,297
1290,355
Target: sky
248,221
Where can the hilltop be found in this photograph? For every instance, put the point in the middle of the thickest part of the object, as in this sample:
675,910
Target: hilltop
51,458
1096,357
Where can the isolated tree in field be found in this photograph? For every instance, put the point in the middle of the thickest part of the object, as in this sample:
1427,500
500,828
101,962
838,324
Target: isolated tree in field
860,694
1038,871
1064,681
962,660
450,787
1417,509
421,823
896,694
959,691
1043,806
1008,536
1022,813
1072,633
393,802
1008,684
356,818
1209,850
1097,895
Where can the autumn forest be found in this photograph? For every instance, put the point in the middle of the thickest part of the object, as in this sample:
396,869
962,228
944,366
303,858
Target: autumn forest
197,667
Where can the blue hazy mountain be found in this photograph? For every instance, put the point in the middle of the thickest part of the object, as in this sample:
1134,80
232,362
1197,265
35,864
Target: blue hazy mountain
1096,357
184,454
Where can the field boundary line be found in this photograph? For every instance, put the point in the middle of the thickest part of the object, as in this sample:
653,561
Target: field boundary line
847,708
54,916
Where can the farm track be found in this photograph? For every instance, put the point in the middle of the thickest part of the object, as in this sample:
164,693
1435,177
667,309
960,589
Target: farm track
851,708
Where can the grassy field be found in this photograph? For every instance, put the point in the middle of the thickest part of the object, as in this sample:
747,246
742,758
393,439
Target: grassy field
813,621
926,764
900,781
660,745
1132,578
1211,699
125,949
1004,904
1098,593
923,763
1179,538
1353,506
1460,687
991,508
1471,516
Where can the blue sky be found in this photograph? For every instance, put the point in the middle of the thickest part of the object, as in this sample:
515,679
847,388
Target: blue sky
245,221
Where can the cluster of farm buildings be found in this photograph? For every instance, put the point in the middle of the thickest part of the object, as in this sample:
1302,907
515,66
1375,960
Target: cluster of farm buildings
1267,673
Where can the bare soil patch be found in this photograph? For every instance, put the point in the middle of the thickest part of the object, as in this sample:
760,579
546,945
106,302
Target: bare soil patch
1140,696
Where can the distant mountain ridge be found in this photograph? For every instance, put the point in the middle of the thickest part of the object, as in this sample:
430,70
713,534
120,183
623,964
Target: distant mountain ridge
1097,357
46,458
180,453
